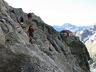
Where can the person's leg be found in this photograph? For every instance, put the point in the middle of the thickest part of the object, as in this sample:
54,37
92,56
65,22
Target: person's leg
30,39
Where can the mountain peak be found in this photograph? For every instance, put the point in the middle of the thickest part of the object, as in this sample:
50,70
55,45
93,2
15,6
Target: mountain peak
68,24
70,27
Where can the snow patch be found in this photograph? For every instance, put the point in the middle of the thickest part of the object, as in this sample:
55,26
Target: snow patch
94,70
92,38
94,42
85,39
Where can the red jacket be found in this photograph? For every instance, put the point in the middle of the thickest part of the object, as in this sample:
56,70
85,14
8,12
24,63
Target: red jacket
30,30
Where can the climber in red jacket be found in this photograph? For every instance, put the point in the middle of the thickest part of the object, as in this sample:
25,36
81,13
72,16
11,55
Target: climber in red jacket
30,32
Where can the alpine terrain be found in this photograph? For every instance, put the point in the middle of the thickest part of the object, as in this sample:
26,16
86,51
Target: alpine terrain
50,50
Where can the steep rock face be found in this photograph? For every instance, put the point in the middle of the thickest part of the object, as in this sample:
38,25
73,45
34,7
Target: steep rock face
91,46
50,52
2,37
76,48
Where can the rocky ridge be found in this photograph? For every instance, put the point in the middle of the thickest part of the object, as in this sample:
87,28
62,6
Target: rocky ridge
50,52
91,46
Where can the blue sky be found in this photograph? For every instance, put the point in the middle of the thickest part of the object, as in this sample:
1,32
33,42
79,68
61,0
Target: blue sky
58,12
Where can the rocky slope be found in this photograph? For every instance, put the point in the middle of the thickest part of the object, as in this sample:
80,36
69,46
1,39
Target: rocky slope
88,36
50,52
91,46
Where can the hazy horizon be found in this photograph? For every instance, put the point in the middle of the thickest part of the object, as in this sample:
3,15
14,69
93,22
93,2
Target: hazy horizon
59,12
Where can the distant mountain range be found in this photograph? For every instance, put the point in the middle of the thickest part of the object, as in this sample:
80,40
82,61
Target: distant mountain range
70,27
83,32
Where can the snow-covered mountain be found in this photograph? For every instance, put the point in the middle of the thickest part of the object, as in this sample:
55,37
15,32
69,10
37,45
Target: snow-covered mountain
85,34
70,27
